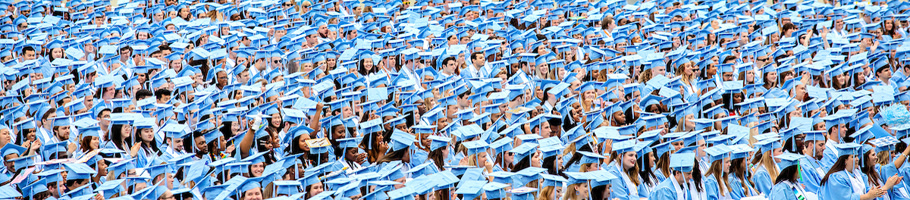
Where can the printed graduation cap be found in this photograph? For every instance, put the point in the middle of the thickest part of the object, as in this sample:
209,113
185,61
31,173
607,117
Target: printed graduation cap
470,189
847,148
76,171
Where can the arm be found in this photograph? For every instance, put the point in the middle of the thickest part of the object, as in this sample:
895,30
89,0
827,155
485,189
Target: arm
839,187
736,188
619,189
314,122
763,182
247,140
711,189
901,158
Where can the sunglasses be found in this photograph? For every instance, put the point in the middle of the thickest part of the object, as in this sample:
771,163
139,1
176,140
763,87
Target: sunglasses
288,4
276,61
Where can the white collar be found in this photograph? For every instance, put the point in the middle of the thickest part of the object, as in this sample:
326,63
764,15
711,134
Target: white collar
680,192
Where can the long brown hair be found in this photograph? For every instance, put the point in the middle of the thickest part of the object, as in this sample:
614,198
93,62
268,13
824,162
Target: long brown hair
85,143
868,168
631,172
663,164
838,166
716,169
739,172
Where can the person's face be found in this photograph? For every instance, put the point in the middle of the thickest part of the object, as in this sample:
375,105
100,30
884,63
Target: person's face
545,129
105,117
819,148
368,63
535,160
147,134
10,165
93,142
256,169
728,76
628,159
253,194
776,152
619,117
57,53
884,74
771,77
200,144
851,160
63,132
582,189
29,55
4,136
338,133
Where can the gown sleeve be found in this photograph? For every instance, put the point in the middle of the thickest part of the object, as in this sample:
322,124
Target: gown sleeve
663,191
782,192
660,176
736,188
838,187
762,182
620,190
810,177
828,158
711,189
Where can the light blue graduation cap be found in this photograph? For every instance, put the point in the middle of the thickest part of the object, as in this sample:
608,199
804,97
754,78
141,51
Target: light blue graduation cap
682,162
401,140
847,148
470,189
11,148
76,171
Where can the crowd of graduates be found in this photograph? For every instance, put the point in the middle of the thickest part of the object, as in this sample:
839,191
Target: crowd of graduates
452,99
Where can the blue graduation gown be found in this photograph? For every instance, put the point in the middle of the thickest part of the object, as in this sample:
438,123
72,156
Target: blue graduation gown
645,189
829,157
620,189
660,176
712,187
736,188
784,191
762,180
418,156
666,190
900,190
838,187
810,174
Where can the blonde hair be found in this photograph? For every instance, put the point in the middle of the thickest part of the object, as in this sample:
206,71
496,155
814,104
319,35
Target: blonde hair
719,175
632,172
768,162
644,76
546,192
570,192
681,124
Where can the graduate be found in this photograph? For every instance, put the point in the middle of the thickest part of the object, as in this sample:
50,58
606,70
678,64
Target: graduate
813,145
675,186
741,184
627,185
445,99
787,185
844,181
716,184
766,171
